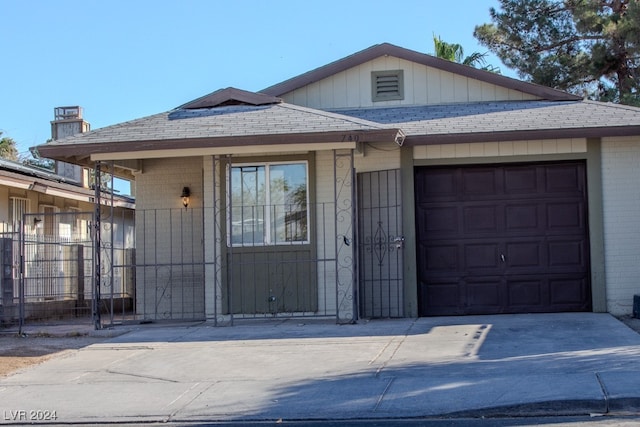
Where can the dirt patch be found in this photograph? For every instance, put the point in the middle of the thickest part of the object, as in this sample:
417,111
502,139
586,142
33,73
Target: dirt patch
18,352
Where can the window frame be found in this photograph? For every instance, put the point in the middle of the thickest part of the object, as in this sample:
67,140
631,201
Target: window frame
267,240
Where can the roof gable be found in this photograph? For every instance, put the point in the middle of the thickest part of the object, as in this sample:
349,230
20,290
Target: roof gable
230,96
386,49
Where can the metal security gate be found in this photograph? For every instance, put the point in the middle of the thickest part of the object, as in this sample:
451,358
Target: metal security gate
312,276
52,269
50,273
380,244
240,255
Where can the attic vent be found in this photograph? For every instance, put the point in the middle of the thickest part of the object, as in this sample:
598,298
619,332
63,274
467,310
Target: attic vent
387,85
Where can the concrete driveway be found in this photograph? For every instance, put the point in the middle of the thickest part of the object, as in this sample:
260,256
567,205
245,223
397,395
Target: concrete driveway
310,369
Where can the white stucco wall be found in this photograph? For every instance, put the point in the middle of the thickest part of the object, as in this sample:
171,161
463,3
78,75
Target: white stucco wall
621,199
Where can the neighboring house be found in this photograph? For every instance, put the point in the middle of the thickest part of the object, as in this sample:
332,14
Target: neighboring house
47,219
389,183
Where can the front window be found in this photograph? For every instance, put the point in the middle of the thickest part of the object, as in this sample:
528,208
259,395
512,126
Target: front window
268,204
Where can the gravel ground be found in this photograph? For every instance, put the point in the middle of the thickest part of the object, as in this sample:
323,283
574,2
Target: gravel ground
21,351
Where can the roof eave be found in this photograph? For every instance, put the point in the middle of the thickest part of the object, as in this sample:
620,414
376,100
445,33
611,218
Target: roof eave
64,152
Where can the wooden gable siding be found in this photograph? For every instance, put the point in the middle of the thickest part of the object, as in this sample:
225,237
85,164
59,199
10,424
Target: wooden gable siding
423,85
501,149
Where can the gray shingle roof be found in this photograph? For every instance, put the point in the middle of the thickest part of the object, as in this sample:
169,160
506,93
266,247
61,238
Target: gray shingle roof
237,125
226,121
434,122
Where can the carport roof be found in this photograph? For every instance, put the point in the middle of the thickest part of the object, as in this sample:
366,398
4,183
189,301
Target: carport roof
504,121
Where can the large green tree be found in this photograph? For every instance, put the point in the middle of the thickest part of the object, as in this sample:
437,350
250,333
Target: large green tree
8,148
582,46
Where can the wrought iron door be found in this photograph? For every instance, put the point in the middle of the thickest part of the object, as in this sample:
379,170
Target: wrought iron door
381,244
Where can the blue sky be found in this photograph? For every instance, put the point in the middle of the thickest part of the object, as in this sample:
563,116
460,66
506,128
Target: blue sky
122,60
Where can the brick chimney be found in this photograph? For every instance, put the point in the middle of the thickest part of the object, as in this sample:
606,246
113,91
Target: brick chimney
68,121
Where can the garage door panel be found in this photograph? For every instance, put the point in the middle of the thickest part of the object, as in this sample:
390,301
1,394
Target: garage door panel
524,254
519,180
523,294
569,254
522,217
564,179
439,220
514,239
479,182
480,219
481,256
441,297
486,293
567,291
566,217
439,185
439,259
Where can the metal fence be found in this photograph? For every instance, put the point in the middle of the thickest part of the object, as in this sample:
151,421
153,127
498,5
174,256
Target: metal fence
50,273
47,265
191,265
48,270
187,264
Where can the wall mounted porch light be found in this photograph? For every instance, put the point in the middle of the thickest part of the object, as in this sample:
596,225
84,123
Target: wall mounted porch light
186,193
36,221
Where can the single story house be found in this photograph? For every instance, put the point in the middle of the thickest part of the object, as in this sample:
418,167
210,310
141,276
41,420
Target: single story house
389,183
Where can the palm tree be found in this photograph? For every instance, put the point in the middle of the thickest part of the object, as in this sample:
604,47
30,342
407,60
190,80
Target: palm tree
455,53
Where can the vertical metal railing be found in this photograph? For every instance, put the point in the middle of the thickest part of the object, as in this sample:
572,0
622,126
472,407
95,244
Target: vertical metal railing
344,192
50,268
162,266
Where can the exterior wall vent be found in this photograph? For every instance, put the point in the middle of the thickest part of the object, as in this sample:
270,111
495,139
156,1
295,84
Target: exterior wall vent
387,85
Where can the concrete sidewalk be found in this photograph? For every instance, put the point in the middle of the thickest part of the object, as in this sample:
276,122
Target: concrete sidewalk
448,366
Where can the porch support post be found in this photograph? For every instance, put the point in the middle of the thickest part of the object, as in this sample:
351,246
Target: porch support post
409,262
214,215
596,225
345,219
96,248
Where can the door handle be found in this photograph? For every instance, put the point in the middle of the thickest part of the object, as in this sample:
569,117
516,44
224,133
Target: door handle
398,242
502,257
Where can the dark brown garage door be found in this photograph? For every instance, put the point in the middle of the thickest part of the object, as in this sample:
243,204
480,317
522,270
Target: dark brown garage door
502,239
